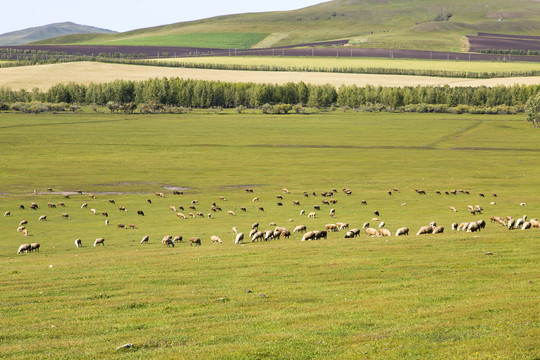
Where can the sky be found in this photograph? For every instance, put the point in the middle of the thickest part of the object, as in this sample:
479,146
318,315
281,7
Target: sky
124,15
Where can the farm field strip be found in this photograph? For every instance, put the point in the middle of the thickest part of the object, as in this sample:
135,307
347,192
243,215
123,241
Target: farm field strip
453,295
45,76
343,62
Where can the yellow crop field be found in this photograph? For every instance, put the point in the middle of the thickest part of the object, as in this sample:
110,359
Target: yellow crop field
44,76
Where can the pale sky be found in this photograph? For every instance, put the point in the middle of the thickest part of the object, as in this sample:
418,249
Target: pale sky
124,15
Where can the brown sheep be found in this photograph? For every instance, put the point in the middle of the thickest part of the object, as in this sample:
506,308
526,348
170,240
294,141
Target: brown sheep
285,234
384,232
425,230
438,230
65,216
371,232
178,239
195,241
300,229
121,226
259,235
331,227
99,241
310,235
131,226
42,218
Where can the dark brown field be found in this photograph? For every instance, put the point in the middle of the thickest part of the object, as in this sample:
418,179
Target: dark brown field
485,41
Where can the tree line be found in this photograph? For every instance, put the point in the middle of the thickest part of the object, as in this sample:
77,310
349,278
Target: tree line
212,94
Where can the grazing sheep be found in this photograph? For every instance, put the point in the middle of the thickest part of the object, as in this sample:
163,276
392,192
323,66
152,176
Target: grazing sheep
331,227
279,197
259,235
61,204
534,223
371,232
140,212
310,235
255,225
526,225
21,228
279,204
438,230
243,208
7,213
320,234
325,202
518,223
366,225
316,207
192,207
24,248
195,241
463,226
248,190
178,239
255,199
191,214
268,235
131,226
356,232
343,226
65,216
433,223
99,241
149,201
78,243
180,215
481,195
375,219
145,239
478,209
230,212
453,209
481,223
261,208
349,235
522,204
381,225
200,214
107,222
234,230
363,202
23,222
296,202
42,218
403,204
402,231
302,212
425,230
511,224
473,227
215,239
120,226
454,226
438,192
104,213
25,232
285,190
285,234
492,203
240,237
252,232
311,215
384,232
222,198
93,211
84,205
173,208
299,229
177,192
21,207
51,205
34,206
376,212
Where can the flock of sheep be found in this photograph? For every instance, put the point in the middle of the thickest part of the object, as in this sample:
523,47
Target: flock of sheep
277,232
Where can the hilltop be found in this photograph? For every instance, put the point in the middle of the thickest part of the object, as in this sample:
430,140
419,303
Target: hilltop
414,24
48,31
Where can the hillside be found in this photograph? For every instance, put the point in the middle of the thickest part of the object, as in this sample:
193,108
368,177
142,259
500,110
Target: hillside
46,32
414,24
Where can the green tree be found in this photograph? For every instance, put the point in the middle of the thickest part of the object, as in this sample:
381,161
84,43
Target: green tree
532,108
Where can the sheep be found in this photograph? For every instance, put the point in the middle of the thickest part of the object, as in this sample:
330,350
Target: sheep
403,204
234,230
107,222
331,227
51,205
121,226
481,223
111,201
511,223
255,199
473,227
302,212
259,235
325,202
363,202
145,239
99,241
349,235
78,243
438,230
261,208
402,231
438,192
285,190
453,209
316,207
248,190
299,229
178,239
371,232
21,207
343,226
519,222
296,202
310,235
42,218
34,206
471,209
140,212
192,207
131,226
239,238
384,232
215,239
463,226
255,225
425,230
23,222
21,228
181,216
24,247
7,213
268,235
285,234
173,208
478,209
481,195
523,204
167,241
252,232
195,241
356,232
375,219
534,223
84,205
454,226
279,197
149,201
104,213
222,198
65,216
381,225
526,225
433,223
93,211
61,204
177,192
320,234
243,208
25,232
311,215
366,225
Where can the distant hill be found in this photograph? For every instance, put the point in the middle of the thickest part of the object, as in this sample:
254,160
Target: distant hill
26,36
412,24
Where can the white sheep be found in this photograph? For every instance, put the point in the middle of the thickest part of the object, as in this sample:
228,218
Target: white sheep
215,239
240,237
402,231
78,243
145,239
99,241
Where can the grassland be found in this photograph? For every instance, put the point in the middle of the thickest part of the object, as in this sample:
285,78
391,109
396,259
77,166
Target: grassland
45,76
327,64
376,298
230,40
372,24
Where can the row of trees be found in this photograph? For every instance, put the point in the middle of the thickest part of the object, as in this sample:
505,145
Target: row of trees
210,94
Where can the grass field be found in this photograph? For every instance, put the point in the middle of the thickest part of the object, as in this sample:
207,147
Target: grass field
432,297
230,40
45,76
330,63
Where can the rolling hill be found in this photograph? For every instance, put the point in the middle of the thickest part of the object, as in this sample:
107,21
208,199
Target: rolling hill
413,24
46,32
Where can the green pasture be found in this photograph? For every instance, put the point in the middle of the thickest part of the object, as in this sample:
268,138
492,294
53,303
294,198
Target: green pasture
455,295
221,40
321,63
